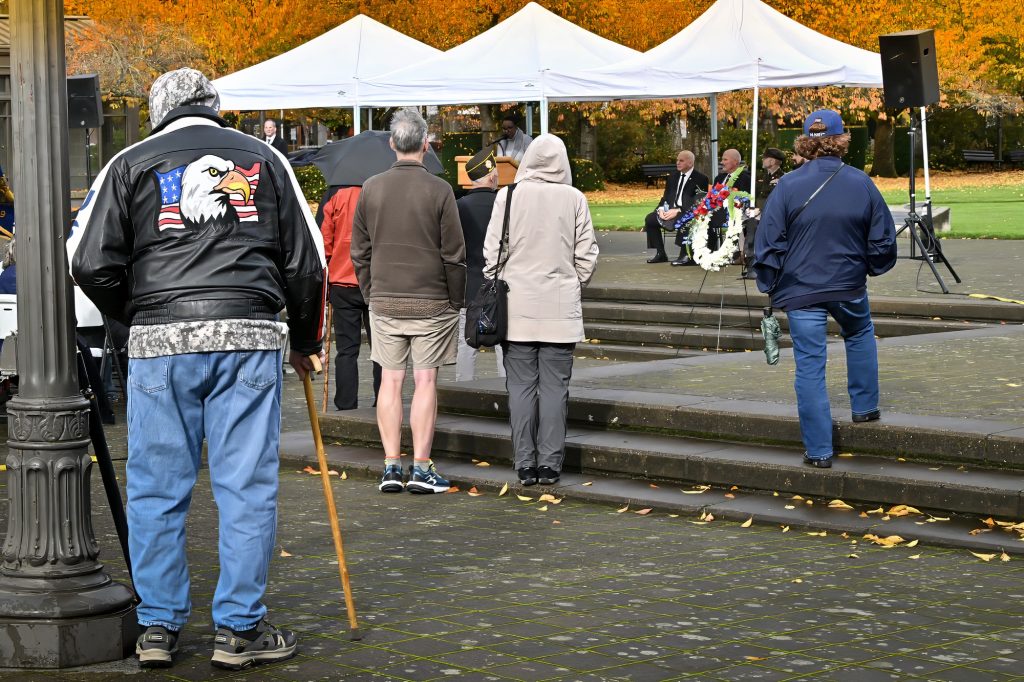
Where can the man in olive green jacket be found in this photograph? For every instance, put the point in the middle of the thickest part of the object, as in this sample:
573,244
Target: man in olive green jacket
410,257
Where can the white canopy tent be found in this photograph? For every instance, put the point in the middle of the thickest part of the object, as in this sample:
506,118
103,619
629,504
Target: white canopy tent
506,63
324,72
734,45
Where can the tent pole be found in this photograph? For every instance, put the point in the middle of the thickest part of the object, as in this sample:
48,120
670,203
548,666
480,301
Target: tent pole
357,124
714,135
529,119
924,151
543,115
753,144
369,118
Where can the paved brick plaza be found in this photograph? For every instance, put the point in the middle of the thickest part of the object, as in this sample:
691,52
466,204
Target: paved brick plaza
489,588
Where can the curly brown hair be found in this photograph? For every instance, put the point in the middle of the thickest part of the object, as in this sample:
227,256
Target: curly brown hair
830,145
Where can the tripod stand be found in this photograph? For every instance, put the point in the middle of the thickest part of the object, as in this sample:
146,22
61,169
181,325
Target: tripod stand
922,231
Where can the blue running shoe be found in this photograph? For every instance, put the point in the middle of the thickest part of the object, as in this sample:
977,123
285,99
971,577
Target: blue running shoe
391,481
426,481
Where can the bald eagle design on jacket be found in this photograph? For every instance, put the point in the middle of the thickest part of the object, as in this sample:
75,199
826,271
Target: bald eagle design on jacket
209,192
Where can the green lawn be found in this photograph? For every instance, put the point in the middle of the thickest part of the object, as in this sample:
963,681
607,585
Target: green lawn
980,212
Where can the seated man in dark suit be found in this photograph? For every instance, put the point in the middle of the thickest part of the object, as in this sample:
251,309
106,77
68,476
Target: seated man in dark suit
731,160
681,191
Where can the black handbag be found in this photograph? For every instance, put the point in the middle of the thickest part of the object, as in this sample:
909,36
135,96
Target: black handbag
487,314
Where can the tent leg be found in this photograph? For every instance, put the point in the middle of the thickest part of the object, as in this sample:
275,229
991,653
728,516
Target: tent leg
714,136
544,115
357,123
369,118
529,119
753,146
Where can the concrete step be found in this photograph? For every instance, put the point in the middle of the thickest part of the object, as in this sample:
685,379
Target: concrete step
947,308
631,353
363,466
597,312
682,461
726,338
913,437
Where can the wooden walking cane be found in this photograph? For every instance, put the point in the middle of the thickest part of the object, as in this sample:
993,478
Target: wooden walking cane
327,356
332,512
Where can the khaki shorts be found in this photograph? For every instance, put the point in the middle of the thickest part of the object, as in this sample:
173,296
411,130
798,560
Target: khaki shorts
431,342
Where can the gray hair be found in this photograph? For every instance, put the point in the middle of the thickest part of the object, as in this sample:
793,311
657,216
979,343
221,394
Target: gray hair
408,131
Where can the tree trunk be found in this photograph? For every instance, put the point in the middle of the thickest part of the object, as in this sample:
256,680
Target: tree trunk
488,127
884,164
587,148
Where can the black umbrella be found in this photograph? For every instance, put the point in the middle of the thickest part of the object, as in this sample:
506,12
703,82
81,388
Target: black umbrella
352,160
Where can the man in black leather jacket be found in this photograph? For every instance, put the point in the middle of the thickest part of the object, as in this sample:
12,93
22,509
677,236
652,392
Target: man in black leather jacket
198,237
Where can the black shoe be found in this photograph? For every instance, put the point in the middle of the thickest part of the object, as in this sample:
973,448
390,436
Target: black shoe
682,260
871,416
156,647
658,258
818,462
528,475
547,476
234,652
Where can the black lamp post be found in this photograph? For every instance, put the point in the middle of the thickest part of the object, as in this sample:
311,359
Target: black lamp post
58,607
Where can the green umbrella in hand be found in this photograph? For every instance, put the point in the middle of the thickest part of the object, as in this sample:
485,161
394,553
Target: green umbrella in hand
771,331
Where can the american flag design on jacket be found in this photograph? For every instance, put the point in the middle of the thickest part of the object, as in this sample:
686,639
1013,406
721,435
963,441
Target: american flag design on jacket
208,189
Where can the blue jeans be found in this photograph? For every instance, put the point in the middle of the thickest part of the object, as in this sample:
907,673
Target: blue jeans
807,328
233,399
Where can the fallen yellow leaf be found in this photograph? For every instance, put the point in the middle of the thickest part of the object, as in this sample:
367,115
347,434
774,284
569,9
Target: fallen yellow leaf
331,472
524,498
543,508
797,497
453,489
876,511
709,518
587,483
504,489
483,464
643,512
774,494
902,510
785,529
652,485
984,557
1004,557
285,553
755,658
845,454
730,496
789,506
546,497
557,522
699,523
619,511
838,504
852,556
696,490
311,470
914,556
747,523
344,475
797,580
673,516
890,541
473,490
912,543
735,487
819,534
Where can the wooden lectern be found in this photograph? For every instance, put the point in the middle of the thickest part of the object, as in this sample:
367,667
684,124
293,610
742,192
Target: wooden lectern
506,171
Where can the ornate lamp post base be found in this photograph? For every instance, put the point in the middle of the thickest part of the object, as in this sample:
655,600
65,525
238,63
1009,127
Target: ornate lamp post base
68,642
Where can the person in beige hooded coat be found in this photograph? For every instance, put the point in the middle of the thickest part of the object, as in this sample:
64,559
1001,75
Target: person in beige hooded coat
551,254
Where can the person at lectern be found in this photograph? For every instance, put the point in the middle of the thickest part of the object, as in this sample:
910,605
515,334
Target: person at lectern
513,141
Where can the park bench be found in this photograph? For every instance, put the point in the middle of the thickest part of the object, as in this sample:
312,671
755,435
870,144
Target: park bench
979,156
1016,157
655,171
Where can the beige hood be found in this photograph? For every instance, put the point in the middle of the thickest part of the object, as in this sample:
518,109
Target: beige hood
545,160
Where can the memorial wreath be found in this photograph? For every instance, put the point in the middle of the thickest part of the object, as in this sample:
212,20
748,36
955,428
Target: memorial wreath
698,218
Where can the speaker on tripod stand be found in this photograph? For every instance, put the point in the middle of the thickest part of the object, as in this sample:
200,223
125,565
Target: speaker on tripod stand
85,110
910,79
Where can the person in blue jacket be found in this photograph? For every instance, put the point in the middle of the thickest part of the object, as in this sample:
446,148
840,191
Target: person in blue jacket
823,232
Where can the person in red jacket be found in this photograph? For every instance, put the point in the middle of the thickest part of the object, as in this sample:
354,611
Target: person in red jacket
351,312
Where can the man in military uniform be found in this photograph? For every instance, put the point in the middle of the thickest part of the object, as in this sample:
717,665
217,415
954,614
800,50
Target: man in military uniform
475,213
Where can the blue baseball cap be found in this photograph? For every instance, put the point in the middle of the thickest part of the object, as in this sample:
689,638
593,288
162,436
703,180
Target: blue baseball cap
832,121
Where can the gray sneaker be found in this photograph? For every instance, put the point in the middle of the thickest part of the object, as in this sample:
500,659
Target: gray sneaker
235,653
156,647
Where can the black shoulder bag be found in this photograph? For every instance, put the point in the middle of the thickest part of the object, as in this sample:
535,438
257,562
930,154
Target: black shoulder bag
487,313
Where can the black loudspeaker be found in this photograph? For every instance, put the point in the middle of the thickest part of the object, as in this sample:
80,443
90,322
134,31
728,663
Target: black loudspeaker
910,75
85,110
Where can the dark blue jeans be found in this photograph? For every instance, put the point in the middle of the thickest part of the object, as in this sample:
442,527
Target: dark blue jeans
807,328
